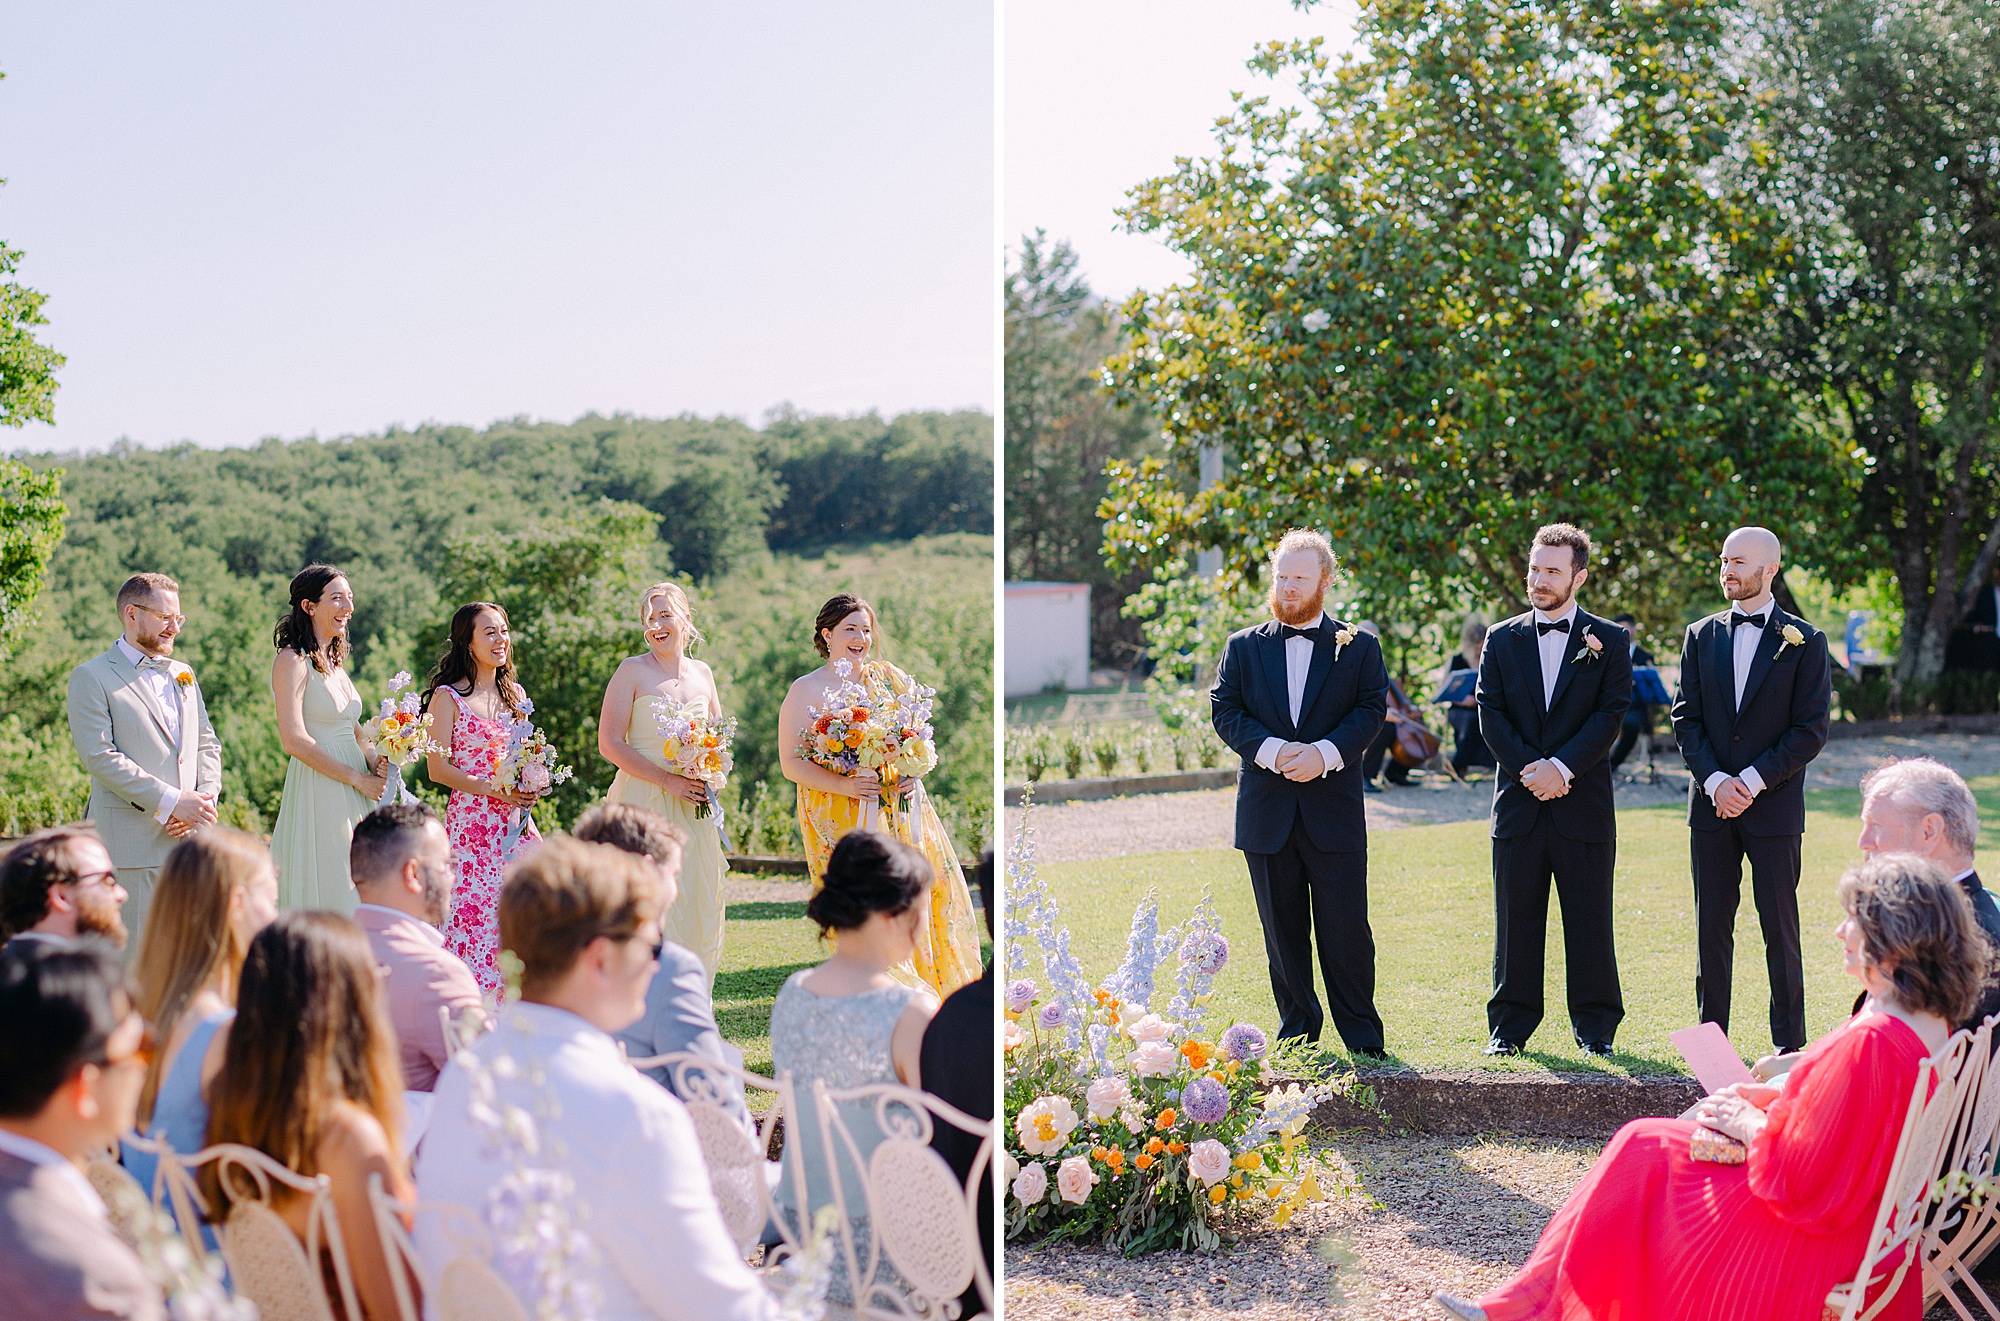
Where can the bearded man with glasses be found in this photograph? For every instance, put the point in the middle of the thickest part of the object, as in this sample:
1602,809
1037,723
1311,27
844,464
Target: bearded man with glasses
139,723
58,884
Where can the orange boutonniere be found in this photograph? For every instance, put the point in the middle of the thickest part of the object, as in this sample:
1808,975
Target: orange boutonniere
185,678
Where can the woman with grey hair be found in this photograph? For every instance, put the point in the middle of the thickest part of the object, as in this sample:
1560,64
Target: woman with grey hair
1658,1232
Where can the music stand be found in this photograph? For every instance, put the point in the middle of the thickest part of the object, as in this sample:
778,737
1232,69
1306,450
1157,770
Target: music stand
1648,689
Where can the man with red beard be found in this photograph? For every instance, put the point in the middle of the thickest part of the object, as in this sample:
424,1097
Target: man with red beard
1300,698
58,884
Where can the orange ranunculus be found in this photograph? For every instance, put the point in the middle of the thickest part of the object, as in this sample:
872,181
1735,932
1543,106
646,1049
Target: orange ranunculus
858,714
1197,1053
1176,1148
1165,1119
854,737
1156,1146
1115,1159
1097,1153
1142,1161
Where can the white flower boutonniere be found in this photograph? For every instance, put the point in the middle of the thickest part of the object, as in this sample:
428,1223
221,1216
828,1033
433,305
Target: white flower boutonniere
1592,649
1792,638
1341,639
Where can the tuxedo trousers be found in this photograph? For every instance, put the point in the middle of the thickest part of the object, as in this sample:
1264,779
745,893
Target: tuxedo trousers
1523,867
1775,860
1305,893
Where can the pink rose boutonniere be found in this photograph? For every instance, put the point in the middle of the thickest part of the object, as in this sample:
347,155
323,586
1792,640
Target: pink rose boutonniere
1593,650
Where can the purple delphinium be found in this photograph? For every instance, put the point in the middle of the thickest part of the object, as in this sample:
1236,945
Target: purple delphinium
1205,1101
1020,994
1206,950
1052,1015
1245,1042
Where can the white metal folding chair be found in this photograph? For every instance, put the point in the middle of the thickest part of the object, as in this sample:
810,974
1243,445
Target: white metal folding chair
468,1288
1965,1224
267,1262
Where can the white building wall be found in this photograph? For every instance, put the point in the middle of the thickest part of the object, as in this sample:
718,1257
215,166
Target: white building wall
1048,638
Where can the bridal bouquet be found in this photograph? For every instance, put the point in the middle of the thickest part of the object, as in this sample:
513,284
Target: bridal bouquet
696,745
1128,1124
402,734
889,734
527,765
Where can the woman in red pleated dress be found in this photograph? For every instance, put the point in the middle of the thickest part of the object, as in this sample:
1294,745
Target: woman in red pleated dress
1652,1234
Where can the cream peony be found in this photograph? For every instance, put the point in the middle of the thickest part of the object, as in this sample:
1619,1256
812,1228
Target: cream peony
1150,1028
1044,1124
1074,1179
1208,1160
1031,1185
1106,1097
1155,1059
1013,1036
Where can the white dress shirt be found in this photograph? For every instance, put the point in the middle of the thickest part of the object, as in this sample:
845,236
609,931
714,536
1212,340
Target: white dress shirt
642,1191
40,1153
1554,646
1298,661
161,685
1743,642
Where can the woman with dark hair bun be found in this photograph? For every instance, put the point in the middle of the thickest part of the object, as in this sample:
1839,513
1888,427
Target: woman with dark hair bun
946,953
473,697
851,1021
335,777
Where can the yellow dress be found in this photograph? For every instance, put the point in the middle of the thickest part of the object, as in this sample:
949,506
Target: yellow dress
695,920
947,955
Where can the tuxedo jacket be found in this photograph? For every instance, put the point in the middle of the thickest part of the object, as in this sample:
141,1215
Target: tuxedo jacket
120,731
1787,706
1578,726
1345,701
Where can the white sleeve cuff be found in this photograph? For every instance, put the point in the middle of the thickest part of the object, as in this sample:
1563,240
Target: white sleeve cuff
1714,782
1754,780
1561,769
1267,755
1330,755
168,802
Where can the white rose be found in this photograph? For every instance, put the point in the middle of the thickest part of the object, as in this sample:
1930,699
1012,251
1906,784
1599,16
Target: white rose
1155,1059
1031,1185
1044,1124
1074,1180
1106,1097
1009,1167
1316,320
1208,1160
1151,1028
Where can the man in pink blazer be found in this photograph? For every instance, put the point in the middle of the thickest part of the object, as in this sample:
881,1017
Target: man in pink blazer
400,860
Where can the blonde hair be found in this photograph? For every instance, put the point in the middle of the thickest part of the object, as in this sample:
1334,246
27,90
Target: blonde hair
565,894
1304,539
677,604
188,939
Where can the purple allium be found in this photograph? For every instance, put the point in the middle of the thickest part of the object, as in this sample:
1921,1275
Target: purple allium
1020,994
1244,1041
1205,1101
1207,950
1052,1015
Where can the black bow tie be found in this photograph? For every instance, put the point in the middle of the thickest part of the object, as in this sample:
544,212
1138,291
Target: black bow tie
1735,618
1311,633
1559,626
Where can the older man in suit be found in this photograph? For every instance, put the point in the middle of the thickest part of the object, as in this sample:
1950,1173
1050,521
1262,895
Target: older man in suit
72,1061
139,723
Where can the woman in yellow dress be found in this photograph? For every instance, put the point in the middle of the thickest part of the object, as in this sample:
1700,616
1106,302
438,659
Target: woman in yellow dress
628,739
831,804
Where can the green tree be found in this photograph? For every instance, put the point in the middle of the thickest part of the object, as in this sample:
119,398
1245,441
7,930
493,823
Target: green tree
27,366
1889,113
1063,429
31,523
1503,267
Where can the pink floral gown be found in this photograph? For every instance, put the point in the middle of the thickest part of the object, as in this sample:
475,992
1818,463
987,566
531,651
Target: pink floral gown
477,826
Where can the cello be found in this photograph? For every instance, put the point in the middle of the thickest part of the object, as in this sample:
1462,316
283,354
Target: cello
1415,744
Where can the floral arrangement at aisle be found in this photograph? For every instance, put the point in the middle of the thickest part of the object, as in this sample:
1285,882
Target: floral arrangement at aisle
527,765
402,734
697,745
191,1279
1132,1125
890,734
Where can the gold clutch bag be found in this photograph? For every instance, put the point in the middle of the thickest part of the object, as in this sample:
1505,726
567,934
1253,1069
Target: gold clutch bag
1716,1148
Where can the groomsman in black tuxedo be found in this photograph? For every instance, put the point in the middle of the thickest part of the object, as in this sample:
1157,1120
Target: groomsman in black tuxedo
1752,711
1553,687
1300,698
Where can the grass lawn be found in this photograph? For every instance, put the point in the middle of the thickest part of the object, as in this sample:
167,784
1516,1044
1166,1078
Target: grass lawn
1431,906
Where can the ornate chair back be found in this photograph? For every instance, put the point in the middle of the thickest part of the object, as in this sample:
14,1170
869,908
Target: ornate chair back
468,1288
115,1184
1965,1222
267,1262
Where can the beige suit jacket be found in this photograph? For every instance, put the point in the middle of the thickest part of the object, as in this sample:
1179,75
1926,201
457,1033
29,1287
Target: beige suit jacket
120,732
424,977
59,1256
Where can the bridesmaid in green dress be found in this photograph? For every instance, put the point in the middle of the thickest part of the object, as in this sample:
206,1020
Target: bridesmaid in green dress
335,777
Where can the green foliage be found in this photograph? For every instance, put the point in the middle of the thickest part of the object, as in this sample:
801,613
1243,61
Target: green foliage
860,479
1508,268
41,781
31,523
1063,427
1110,748
27,366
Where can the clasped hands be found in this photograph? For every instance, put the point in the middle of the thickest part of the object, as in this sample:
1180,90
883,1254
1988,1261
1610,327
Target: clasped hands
1732,797
1543,780
868,786
1738,1110
192,812
1299,762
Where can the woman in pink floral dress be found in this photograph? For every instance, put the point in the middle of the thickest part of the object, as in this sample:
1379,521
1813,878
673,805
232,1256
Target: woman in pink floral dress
474,697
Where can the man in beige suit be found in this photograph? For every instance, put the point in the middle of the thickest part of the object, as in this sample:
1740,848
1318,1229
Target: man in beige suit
139,723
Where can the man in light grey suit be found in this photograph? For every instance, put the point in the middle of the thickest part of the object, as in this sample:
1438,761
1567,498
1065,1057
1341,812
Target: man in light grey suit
138,721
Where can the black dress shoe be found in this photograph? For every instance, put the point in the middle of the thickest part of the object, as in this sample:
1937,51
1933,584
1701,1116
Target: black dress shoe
1602,1048
1370,787
1502,1046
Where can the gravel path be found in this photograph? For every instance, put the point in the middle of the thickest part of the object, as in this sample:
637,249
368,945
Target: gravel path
1184,822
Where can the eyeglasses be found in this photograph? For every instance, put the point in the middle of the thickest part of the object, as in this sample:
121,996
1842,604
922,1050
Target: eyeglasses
89,879
178,621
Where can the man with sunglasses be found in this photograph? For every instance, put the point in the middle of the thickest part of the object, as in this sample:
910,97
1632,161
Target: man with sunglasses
73,1056
58,884
140,725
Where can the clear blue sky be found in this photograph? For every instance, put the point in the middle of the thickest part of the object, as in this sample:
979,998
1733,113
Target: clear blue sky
257,219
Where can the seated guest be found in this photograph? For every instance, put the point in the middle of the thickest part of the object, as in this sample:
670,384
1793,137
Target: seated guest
1468,744
72,1059
1654,1233
309,1078
400,859
680,1015
215,892
58,884
850,1021
957,1066
583,919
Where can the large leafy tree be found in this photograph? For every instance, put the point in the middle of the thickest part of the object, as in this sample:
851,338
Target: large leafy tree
1505,266
31,509
1890,143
